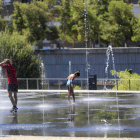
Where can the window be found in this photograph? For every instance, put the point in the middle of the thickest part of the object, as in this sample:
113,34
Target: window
57,2
134,1
7,2
7,17
25,1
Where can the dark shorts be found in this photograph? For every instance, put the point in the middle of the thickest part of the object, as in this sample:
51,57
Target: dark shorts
13,87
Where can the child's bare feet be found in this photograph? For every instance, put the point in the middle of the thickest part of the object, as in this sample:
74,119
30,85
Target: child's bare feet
70,102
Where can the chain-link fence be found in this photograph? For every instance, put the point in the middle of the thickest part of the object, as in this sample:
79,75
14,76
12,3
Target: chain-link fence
81,83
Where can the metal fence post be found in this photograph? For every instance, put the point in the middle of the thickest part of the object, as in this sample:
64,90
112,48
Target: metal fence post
81,84
117,84
59,84
27,83
6,85
37,84
129,85
48,85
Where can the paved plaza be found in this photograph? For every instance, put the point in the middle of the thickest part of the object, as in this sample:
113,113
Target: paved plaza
61,138
96,115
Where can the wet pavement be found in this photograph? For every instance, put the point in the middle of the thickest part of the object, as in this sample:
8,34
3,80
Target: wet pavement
60,138
93,115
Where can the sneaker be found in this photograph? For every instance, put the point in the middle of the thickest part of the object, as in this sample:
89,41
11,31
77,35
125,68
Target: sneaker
16,108
12,109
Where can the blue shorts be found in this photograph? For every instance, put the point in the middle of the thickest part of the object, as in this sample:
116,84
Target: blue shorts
68,82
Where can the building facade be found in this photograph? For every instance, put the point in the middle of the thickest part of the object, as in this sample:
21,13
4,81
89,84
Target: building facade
8,7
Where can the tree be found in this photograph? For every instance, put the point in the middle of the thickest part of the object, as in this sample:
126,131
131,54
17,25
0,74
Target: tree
78,19
3,22
100,7
136,29
16,48
119,22
1,4
31,20
64,18
52,33
72,21
94,21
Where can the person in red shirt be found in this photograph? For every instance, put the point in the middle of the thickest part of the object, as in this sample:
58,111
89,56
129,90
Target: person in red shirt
12,82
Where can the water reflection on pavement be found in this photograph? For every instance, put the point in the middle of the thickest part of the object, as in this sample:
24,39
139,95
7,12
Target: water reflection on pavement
96,115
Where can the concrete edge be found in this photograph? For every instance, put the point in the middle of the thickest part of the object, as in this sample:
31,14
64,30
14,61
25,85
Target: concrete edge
78,91
60,138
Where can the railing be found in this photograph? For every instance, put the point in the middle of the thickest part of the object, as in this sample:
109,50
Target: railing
60,83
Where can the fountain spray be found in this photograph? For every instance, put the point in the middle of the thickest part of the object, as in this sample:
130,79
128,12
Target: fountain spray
108,52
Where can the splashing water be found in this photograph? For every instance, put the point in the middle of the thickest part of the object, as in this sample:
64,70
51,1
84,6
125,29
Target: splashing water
43,76
69,67
1,76
86,40
1,98
108,52
42,82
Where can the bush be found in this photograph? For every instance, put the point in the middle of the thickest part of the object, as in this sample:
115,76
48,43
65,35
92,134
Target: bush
125,77
16,48
77,88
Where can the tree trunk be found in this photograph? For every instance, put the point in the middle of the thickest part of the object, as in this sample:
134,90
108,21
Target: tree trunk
64,33
99,38
90,44
94,43
73,42
125,44
58,45
111,43
40,44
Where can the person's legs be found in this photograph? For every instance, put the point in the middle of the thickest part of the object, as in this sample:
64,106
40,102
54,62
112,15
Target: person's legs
68,93
15,98
11,98
72,91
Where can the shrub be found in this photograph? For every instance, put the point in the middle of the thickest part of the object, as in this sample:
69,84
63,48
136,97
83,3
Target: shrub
125,77
16,48
77,88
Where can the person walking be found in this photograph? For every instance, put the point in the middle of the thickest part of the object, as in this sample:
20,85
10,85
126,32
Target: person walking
70,79
12,82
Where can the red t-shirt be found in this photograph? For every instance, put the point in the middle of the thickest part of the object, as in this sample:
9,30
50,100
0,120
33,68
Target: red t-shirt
11,74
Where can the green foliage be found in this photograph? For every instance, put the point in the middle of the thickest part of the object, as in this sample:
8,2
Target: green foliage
111,20
65,18
94,22
136,29
118,22
1,4
72,20
3,22
52,33
126,76
31,20
16,48
78,19
77,88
